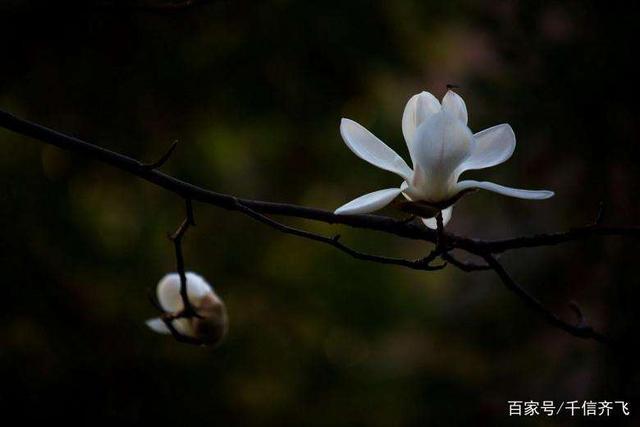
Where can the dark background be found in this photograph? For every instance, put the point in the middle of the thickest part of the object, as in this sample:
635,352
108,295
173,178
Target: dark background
254,92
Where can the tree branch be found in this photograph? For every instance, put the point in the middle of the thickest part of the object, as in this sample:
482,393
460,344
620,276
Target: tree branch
162,160
188,311
195,193
465,266
550,239
419,264
258,210
581,330
401,228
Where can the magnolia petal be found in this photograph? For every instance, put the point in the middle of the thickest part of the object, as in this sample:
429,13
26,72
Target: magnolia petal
370,149
417,110
506,191
158,325
168,290
454,105
182,326
369,202
492,146
185,327
446,216
443,143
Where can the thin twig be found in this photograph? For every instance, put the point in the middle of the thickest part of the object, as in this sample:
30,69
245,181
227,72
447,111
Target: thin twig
188,311
168,318
162,160
420,264
581,330
199,194
393,226
547,239
465,266
258,210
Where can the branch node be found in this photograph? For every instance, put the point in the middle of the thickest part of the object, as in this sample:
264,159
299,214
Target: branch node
258,210
581,330
162,160
465,266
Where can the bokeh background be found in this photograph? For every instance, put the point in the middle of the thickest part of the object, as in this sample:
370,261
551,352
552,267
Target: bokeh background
254,92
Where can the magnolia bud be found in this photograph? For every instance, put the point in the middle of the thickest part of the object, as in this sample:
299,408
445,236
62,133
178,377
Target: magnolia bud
212,324
208,326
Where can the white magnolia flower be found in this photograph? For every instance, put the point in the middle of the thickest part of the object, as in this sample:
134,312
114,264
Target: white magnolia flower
209,327
441,147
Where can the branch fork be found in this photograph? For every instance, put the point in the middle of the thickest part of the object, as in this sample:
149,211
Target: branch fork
188,311
261,211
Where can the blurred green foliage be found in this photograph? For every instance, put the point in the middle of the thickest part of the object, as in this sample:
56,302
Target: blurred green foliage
254,92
